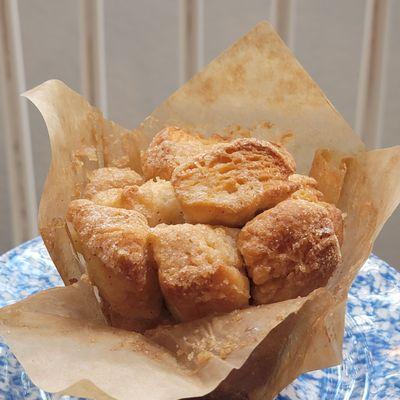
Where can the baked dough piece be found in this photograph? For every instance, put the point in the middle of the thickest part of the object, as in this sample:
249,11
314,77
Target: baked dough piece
171,147
109,198
199,269
336,217
114,243
156,200
107,178
308,191
307,188
229,183
291,249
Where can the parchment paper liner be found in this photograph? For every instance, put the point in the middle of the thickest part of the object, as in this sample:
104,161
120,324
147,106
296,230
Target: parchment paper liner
255,88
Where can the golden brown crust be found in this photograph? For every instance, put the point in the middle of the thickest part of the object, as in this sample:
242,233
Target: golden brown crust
115,247
171,147
109,198
307,188
200,270
290,249
308,191
229,183
156,200
108,178
118,237
336,217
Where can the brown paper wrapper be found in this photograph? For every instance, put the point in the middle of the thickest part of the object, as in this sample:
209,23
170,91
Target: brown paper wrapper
255,88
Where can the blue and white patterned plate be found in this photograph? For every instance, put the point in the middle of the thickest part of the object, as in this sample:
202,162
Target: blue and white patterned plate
371,366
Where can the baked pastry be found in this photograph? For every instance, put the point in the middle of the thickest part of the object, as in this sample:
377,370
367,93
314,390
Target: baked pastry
114,244
336,217
109,198
307,188
291,249
199,269
171,147
111,177
231,182
156,200
174,238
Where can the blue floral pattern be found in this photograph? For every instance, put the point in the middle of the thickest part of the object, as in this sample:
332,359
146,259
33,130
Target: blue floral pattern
371,365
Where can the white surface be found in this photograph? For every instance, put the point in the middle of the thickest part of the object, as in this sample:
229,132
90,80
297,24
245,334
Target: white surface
142,46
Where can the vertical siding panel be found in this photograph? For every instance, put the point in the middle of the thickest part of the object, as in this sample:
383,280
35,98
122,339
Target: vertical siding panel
142,46
328,42
93,63
227,20
387,244
191,38
50,37
6,240
16,125
371,84
282,18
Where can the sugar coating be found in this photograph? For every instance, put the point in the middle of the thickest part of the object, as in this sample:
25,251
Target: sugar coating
229,183
156,200
172,147
114,243
291,249
200,270
307,189
110,177
138,248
